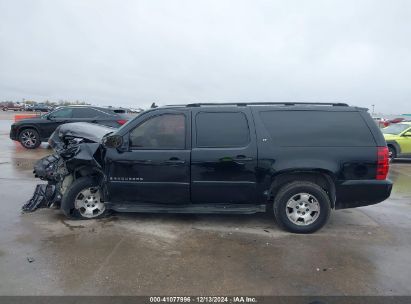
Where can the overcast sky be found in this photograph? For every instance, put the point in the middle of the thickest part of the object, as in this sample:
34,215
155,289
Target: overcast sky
132,53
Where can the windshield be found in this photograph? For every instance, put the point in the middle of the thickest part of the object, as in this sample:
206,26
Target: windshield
395,129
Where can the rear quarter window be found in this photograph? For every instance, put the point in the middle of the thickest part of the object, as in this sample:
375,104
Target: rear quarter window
222,130
86,113
317,128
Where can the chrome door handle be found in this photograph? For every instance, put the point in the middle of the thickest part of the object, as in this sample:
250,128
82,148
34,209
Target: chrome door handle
242,158
174,161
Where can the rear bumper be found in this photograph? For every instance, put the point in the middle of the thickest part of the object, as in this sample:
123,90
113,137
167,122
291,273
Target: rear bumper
357,193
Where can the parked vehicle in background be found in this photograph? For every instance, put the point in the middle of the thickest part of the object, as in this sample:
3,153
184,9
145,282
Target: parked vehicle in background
135,110
398,138
221,158
12,106
27,107
40,107
32,131
396,120
381,122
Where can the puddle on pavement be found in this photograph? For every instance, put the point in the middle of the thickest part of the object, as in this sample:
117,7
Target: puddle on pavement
400,175
17,161
105,254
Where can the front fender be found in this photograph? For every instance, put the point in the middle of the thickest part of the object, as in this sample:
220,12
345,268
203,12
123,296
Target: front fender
28,126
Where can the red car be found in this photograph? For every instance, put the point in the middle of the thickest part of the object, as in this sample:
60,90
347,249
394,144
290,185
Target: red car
396,120
15,106
382,122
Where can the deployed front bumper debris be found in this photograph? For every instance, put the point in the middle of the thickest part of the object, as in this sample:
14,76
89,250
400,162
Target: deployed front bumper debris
76,148
44,196
47,168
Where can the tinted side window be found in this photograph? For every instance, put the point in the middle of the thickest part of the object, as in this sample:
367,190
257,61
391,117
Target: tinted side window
224,129
111,112
62,113
87,113
165,131
317,128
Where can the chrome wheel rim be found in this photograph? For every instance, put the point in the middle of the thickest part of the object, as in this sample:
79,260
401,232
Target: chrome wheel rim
28,138
303,209
88,202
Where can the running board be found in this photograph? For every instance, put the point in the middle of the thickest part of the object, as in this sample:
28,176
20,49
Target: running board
188,208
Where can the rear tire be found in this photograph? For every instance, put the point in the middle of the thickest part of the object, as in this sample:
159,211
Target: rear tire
301,207
83,200
392,153
29,139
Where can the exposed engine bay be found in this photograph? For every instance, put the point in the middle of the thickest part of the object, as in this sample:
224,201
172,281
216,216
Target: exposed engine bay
77,152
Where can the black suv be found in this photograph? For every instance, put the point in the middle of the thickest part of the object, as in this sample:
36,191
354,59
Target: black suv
298,161
32,131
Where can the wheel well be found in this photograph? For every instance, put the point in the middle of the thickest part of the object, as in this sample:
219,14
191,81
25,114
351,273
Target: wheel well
95,173
89,171
324,180
27,127
392,146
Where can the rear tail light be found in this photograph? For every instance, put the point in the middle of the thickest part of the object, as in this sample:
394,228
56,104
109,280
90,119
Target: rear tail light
122,121
382,163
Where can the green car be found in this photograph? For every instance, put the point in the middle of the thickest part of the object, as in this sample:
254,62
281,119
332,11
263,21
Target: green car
398,138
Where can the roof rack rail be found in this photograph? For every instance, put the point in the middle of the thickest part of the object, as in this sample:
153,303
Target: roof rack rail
267,103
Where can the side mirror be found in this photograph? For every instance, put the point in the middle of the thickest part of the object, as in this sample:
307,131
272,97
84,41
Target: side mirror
112,141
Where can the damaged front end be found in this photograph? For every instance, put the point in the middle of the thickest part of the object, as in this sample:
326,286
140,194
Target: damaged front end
78,152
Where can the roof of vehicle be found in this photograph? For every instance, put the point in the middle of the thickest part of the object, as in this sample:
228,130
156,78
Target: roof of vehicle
81,106
107,110
90,106
287,105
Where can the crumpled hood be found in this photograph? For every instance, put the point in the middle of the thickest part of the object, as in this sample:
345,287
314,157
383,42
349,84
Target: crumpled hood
84,130
77,148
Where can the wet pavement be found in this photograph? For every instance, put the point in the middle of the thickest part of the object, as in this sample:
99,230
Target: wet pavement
363,251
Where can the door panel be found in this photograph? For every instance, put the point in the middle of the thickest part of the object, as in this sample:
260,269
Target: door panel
223,174
56,118
49,127
156,167
149,176
405,142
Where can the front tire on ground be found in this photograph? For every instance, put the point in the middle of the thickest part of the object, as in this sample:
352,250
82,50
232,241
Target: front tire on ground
29,138
301,207
83,200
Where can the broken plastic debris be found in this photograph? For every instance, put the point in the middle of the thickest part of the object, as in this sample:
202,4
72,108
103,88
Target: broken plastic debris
43,196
